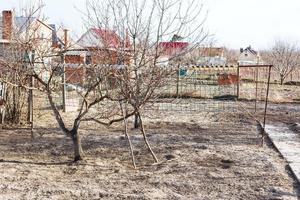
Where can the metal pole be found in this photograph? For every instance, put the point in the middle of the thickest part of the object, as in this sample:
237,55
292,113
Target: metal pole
30,102
266,104
66,41
29,112
30,96
177,80
256,90
267,95
238,82
63,83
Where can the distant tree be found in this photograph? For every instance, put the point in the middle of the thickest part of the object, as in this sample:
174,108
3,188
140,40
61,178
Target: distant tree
285,56
231,56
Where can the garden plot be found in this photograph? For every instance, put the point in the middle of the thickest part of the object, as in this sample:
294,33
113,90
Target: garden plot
202,156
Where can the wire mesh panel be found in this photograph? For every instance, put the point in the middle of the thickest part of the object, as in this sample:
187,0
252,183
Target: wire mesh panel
255,82
202,82
199,88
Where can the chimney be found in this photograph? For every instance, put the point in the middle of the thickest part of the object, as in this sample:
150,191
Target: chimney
127,40
54,36
7,24
66,38
241,50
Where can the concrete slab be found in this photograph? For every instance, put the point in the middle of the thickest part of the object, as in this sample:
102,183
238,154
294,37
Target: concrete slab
288,143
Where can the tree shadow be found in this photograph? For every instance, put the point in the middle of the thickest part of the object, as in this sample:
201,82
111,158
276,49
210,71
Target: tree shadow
37,163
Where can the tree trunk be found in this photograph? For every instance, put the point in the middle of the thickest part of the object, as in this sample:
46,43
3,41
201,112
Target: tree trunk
146,140
137,123
78,152
127,135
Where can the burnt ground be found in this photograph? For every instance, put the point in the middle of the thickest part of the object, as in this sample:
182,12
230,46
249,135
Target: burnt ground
202,156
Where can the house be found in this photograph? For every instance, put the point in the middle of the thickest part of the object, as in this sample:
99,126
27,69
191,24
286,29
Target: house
20,28
213,56
96,46
104,46
249,56
15,30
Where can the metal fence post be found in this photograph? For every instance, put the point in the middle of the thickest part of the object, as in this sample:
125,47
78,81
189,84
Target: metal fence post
63,83
267,95
238,82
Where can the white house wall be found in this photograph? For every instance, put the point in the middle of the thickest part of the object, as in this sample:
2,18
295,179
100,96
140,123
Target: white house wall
247,58
89,39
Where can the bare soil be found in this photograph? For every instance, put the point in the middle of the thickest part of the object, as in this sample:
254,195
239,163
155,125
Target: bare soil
202,156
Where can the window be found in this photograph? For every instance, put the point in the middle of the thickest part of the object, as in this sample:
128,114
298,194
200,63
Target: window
88,60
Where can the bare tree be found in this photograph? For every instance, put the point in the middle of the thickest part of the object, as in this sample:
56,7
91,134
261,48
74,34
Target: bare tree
44,62
143,26
15,58
131,73
285,57
14,96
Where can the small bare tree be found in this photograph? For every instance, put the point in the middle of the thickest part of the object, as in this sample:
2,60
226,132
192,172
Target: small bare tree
12,65
143,26
285,56
15,57
44,62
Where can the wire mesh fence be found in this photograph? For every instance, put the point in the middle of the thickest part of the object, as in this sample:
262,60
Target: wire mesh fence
253,85
198,88
190,89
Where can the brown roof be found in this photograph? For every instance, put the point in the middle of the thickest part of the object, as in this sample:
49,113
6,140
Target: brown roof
211,51
172,48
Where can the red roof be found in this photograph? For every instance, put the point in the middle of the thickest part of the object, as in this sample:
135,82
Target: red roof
171,48
108,37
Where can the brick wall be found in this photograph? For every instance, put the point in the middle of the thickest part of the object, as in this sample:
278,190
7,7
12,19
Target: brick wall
75,75
74,59
108,57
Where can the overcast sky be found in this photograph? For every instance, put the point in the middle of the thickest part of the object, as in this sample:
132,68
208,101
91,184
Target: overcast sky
234,23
